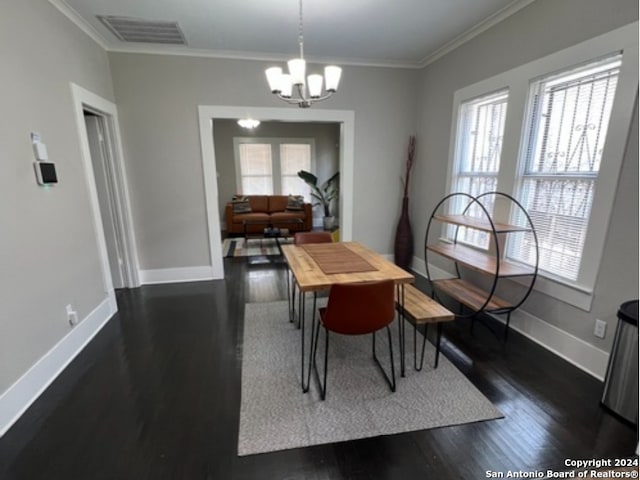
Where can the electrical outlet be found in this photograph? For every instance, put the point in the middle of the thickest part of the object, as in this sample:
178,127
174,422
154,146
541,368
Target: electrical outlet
72,316
600,328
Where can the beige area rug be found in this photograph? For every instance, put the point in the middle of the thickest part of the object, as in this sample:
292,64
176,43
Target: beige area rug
276,415
239,247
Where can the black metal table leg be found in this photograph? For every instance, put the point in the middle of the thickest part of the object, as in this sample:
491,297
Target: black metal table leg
290,300
313,333
301,315
401,329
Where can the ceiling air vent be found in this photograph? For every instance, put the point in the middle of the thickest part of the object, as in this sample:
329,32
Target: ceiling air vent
140,30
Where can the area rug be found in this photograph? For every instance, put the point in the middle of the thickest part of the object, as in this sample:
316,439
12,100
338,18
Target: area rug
276,415
239,247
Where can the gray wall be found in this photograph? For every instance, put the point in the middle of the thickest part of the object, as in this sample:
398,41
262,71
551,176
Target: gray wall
48,252
537,30
327,143
158,98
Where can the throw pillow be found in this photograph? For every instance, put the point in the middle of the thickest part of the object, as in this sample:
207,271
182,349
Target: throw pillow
240,204
295,203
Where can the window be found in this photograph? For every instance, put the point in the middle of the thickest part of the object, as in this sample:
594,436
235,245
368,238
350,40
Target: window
552,133
568,124
480,133
293,158
268,166
256,169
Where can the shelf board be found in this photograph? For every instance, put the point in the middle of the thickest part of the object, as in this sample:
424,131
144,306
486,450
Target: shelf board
479,261
480,223
470,295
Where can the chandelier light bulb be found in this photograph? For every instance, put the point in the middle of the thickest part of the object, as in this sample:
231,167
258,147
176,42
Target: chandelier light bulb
314,83
274,75
297,70
332,76
286,85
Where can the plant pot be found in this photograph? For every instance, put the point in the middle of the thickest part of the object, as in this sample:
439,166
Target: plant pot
328,222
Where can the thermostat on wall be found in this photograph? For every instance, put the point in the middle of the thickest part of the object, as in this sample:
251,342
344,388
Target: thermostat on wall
46,173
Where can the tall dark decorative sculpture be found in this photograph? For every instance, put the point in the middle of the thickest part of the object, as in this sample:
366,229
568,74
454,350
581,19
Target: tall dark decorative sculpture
403,248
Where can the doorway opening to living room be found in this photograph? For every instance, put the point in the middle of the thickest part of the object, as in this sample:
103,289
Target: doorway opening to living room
210,116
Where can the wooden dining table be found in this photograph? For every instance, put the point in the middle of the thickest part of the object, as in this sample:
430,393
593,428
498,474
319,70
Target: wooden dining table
316,267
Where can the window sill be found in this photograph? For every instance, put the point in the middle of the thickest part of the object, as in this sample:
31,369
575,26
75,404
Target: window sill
578,296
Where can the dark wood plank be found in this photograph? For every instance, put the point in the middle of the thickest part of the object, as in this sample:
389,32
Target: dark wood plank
156,395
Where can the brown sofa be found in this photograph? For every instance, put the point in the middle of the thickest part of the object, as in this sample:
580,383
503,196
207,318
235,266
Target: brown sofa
273,210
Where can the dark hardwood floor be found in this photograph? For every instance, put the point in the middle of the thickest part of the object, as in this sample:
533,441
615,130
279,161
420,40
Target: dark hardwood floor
156,395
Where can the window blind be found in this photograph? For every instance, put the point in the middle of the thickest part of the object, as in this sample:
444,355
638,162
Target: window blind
569,116
479,146
293,158
256,168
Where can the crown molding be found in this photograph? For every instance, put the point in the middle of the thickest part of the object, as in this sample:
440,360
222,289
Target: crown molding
476,30
240,55
80,22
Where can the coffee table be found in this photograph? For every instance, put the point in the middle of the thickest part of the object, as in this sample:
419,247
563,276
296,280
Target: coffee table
268,230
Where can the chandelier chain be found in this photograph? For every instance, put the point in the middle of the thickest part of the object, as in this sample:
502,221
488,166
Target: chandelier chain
300,33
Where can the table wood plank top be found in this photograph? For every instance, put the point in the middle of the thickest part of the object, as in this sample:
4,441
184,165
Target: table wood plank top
310,277
337,258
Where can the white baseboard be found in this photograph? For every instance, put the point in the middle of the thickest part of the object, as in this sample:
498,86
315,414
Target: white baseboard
15,401
176,275
574,350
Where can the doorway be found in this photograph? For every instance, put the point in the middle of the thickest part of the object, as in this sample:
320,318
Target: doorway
105,176
206,115
101,160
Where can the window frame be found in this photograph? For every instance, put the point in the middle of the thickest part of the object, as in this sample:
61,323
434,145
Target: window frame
461,151
276,172
518,82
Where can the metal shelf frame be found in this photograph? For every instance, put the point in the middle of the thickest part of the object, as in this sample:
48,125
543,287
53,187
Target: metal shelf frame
495,229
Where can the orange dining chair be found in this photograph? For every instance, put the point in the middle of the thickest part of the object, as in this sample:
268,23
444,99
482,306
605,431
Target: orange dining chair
357,309
301,238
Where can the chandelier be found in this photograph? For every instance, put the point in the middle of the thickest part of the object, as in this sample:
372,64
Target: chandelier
309,91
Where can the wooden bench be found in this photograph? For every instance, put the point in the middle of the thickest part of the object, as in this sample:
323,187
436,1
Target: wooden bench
423,310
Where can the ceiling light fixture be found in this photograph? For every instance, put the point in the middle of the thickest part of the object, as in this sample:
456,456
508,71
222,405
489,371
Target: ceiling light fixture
281,84
249,123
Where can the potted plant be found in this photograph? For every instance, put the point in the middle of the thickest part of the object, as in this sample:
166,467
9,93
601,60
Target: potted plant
324,194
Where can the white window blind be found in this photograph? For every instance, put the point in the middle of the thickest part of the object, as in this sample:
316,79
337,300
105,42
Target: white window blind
256,168
566,130
477,158
293,158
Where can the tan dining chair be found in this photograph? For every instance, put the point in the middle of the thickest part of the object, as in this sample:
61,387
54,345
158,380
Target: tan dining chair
357,309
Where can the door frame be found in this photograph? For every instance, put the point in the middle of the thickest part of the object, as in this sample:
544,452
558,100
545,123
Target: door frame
85,100
208,113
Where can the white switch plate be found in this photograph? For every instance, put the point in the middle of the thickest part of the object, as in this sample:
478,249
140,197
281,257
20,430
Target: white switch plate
600,328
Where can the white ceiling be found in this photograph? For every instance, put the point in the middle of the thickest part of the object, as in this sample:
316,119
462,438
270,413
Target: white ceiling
405,33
